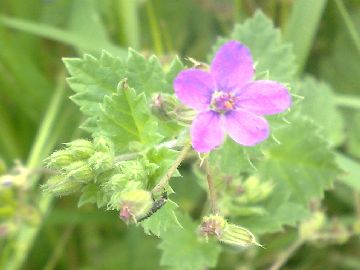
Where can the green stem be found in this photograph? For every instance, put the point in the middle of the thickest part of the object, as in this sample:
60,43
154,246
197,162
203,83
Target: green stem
349,24
212,191
348,101
163,182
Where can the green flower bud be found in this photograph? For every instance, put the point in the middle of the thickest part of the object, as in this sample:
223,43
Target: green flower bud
311,226
79,171
81,149
255,191
135,204
238,236
216,225
166,107
60,186
60,159
101,161
103,144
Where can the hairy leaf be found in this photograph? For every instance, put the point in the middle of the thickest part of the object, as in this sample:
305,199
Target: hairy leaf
302,163
162,220
184,250
125,118
319,105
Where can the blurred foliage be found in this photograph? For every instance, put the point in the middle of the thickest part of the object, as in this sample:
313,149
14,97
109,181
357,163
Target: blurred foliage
36,116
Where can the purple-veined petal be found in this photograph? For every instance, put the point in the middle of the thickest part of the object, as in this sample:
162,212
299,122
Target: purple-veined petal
232,66
194,88
207,131
245,127
264,97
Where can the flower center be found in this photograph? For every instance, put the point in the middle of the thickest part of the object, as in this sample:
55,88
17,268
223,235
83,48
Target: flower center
222,102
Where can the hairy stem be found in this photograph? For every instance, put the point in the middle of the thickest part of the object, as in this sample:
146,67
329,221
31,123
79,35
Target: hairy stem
163,182
130,156
212,191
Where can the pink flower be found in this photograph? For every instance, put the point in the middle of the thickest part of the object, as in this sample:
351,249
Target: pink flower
228,100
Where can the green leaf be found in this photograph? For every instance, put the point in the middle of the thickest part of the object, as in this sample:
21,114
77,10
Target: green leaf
125,117
145,75
231,159
92,79
162,220
353,133
273,58
302,163
184,250
175,67
286,214
351,167
89,194
163,158
328,118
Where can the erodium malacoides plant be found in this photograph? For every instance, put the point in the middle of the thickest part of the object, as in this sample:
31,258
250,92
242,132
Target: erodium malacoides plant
144,120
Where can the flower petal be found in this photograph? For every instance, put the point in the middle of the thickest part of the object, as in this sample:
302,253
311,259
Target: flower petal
194,88
245,127
264,97
232,66
207,131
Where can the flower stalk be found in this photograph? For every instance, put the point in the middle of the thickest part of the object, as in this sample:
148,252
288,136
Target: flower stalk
164,181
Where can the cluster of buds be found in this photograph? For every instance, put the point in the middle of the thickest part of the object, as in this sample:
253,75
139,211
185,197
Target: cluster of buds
311,226
78,164
231,234
166,107
134,205
253,191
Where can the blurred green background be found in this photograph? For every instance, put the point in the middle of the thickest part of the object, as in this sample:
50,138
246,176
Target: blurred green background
36,114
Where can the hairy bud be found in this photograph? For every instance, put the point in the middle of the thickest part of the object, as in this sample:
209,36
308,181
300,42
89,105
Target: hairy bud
311,226
60,159
60,186
103,144
101,161
255,191
81,149
238,236
216,225
135,204
166,107
79,171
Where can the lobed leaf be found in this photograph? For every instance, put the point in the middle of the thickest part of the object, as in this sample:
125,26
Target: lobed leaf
162,220
125,117
184,250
